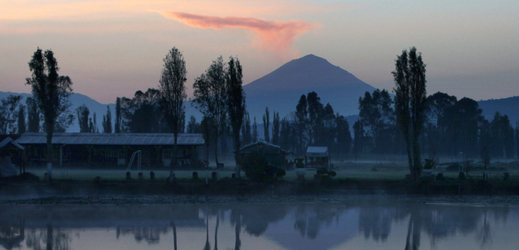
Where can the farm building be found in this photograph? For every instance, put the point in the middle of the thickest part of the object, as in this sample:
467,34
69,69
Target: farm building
105,150
11,154
274,154
317,157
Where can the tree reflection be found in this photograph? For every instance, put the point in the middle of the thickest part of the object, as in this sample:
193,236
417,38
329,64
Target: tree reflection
257,218
151,235
11,235
484,234
310,219
49,239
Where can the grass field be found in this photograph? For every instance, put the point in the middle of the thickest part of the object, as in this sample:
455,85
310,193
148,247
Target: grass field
344,170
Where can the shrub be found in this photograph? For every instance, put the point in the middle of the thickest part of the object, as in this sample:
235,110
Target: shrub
280,173
256,167
332,173
461,176
322,171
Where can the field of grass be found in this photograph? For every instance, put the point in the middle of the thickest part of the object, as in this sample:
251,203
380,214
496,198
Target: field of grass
344,170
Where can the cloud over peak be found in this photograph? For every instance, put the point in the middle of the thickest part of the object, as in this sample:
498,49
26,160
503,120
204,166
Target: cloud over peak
276,36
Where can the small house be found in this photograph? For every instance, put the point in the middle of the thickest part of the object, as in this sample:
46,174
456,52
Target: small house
11,154
104,149
274,154
317,157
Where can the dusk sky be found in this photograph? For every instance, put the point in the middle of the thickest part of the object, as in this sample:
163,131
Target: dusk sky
113,48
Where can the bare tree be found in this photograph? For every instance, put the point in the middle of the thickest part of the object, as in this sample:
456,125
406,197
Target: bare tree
410,103
51,92
211,97
173,94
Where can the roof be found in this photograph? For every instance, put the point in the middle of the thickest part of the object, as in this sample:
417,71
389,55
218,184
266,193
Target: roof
317,150
263,143
8,141
126,139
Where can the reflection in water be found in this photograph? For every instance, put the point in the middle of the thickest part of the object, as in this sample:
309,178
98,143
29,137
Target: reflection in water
309,226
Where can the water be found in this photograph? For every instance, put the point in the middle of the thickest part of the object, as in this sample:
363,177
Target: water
356,223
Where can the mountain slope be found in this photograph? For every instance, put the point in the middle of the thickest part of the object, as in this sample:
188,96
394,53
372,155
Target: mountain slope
77,100
281,89
507,106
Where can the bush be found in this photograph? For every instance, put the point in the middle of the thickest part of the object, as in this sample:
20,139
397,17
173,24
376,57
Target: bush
461,176
322,171
332,173
256,167
280,173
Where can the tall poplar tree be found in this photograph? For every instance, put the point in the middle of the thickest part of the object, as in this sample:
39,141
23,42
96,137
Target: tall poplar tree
266,124
235,101
51,91
410,103
173,93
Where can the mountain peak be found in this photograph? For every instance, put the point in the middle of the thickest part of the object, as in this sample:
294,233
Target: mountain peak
283,87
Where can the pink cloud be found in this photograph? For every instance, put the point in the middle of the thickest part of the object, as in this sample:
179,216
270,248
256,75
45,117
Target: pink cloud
277,36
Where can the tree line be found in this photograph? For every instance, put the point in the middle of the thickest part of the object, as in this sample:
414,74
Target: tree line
408,123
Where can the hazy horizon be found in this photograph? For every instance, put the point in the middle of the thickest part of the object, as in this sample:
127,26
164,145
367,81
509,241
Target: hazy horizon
118,46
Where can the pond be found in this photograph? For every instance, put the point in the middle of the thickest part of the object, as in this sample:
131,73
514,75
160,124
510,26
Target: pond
364,222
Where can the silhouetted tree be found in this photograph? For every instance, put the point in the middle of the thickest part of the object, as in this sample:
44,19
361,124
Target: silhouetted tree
275,128
246,130
410,103
434,136
193,127
377,117
358,139
107,121
255,134
266,124
51,92
460,124
173,93
315,121
83,118
33,115
301,121
141,114
8,114
22,127
235,101
211,96
343,135
286,134
501,132
118,118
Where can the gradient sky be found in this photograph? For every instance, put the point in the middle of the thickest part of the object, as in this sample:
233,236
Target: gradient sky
113,48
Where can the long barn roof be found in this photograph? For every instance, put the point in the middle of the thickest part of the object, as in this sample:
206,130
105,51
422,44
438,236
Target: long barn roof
113,139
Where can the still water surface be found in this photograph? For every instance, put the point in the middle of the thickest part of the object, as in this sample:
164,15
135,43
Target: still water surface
359,223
